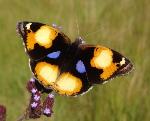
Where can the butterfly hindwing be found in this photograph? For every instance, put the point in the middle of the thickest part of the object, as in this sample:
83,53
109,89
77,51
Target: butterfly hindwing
69,82
66,75
41,39
73,80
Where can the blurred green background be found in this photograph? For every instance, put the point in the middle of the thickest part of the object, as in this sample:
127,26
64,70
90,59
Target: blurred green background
123,25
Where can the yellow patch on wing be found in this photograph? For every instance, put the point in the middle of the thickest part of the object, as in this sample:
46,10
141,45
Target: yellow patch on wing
68,84
46,73
30,41
107,72
102,57
43,36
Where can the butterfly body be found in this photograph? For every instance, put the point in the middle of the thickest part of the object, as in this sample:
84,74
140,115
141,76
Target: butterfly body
65,67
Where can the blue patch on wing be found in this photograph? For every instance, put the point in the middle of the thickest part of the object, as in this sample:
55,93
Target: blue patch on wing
80,67
54,54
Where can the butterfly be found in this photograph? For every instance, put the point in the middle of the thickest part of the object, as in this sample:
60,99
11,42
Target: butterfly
68,68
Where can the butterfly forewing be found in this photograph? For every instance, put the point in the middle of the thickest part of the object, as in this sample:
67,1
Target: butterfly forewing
103,63
40,39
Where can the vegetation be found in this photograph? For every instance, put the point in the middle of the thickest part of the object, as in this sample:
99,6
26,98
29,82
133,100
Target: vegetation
123,25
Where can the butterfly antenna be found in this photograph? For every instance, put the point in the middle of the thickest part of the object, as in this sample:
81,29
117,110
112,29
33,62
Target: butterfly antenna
92,33
79,38
77,25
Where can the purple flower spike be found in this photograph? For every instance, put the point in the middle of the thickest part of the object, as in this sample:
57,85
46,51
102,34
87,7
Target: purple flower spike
32,80
36,97
33,90
34,108
56,26
51,96
34,105
2,113
31,85
47,111
48,105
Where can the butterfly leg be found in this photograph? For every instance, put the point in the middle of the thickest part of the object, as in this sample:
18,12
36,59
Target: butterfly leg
41,87
79,41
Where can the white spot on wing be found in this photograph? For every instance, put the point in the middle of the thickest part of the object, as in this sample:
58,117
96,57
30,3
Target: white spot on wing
122,61
28,25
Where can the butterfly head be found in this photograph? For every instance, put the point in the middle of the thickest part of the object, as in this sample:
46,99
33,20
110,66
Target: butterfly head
78,41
